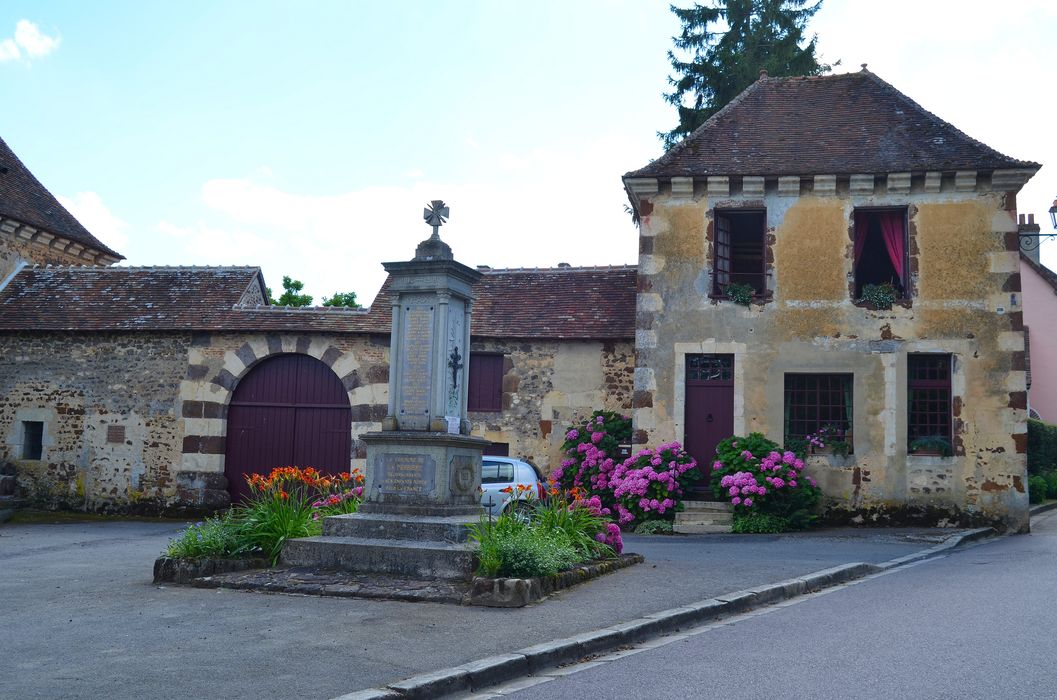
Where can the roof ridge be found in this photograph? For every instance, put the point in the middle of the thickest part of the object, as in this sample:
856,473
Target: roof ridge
274,308
140,268
571,268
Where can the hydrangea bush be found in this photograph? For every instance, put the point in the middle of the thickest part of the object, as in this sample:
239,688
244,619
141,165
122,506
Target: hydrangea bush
590,448
758,476
651,482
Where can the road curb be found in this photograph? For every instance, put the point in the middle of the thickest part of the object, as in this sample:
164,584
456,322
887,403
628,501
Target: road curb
1042,508
476,675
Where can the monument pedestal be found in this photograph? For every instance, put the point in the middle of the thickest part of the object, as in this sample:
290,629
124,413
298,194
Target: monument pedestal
420,495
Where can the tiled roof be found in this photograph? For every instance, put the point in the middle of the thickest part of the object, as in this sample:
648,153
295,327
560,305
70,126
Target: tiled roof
557,303
24,199
596,303
836,124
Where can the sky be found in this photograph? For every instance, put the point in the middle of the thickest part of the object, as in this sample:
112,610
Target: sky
306,137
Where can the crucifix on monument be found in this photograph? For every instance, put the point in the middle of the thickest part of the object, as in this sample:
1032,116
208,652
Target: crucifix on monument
423,467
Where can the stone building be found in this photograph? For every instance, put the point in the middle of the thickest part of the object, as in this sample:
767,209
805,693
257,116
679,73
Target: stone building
809,193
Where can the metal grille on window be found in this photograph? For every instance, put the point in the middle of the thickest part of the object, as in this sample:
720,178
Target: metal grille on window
817,401
709,368
928,396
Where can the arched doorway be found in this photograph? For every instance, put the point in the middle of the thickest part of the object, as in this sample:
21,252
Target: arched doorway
290,410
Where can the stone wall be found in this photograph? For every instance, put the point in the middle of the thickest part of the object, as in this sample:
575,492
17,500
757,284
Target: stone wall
136,421
13,249
79,386
964,273
548,386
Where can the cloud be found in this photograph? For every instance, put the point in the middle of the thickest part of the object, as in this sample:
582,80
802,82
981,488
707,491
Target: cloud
29,40
550,206
415,173
89,209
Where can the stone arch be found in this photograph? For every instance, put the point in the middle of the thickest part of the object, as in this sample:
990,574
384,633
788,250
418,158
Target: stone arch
205,397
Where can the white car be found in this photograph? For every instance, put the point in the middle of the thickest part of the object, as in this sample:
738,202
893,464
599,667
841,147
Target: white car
498,473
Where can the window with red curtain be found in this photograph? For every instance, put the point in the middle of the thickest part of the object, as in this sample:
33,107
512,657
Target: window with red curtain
485,389
880,249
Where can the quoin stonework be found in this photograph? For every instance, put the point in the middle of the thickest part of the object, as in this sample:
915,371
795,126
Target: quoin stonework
150,389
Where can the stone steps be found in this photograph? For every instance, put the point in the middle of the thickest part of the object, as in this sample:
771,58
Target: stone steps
381,526
418,559
700,517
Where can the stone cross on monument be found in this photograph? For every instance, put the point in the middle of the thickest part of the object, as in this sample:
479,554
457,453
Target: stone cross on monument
423,467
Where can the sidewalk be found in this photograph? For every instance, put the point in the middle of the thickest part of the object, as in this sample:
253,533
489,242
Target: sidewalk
83,620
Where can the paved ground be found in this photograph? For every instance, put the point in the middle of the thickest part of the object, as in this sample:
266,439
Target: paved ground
977,623
81,618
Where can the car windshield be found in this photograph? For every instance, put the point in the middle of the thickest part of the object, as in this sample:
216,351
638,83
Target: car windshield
496,472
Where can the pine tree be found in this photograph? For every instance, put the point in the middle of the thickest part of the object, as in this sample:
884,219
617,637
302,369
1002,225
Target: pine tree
729,43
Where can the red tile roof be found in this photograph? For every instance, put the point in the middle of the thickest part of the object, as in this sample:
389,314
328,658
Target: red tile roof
24,199
556,303
836,124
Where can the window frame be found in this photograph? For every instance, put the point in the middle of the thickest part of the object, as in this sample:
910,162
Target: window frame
474,402
847,403
916,383
908,292
716,292
36,446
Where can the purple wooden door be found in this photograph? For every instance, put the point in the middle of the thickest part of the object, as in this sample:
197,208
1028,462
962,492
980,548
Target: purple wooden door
709,414
290,410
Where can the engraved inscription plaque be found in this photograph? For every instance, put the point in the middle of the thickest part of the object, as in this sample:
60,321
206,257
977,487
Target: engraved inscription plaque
415,362
407,474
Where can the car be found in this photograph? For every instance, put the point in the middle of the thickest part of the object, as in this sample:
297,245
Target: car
498,473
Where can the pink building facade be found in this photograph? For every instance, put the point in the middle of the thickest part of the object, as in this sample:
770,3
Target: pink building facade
1039,287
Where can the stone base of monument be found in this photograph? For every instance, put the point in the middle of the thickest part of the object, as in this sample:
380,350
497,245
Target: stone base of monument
420,496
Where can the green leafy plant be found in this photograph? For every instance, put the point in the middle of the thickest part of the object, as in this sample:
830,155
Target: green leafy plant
1051,484
1037,489
655,527
932,444
217,536
841,448
1042,446
759,523
740,293
880,296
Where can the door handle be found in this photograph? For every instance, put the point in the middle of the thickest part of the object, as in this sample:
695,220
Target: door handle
709,418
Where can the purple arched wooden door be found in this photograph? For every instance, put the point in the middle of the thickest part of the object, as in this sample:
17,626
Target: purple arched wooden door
290,410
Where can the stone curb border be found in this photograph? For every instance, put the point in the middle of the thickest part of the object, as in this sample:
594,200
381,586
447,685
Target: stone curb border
1042,507
172,570
519,592
477,675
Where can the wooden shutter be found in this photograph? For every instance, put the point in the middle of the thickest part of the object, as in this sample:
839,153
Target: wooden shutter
485,390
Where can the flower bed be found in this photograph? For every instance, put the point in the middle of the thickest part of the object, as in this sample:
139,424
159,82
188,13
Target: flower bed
289,502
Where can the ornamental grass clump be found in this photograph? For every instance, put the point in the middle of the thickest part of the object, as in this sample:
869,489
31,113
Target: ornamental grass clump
217,536
756,476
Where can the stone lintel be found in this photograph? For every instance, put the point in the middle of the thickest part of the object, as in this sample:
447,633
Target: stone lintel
933,181
861,184
789,186
682,187
719,186
752,186
825,185
965,181
642,186
898,183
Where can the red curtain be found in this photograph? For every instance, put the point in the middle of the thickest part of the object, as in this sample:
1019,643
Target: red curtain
862,227
894,237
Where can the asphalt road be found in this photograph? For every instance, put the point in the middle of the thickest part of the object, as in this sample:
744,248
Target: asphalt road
79,617
977,623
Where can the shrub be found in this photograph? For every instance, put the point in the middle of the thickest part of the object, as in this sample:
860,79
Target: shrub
755,476
1037,488
880,296
216,536
651,482
932,443
1042,446
589,449
740,293
654,527
530,552
759,523
1051,484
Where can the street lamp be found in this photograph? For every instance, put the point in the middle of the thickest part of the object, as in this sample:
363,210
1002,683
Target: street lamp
1053,213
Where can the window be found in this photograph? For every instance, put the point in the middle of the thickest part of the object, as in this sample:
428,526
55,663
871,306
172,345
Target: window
32,439
928,397
880,249
496,472
485,391
814,402
739,251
